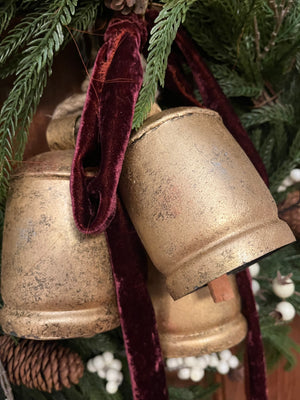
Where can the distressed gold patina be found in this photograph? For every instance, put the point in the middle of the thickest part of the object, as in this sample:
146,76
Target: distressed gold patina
195,199
61,132
56,282
195,325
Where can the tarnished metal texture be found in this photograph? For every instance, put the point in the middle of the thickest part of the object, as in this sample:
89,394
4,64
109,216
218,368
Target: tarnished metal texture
195,199
55,281
195,324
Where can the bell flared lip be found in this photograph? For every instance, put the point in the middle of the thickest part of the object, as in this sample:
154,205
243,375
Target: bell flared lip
207,341
227,255
54,325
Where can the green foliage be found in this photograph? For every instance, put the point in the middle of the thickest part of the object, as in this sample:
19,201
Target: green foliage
110,341
278,345
291,161
193,393
43,35
84,17
232,84
7,11
162,36
268,113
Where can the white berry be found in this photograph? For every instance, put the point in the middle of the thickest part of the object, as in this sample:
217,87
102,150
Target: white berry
189,361
213,360
98,362
184,373
283,290
197,374
281,188
201,362
179,361
288,181
101,373
90,366
120,378
172,363
112,375
111,387
295,175
286,310
254,270
116,364
223,367
225,355
255,287
107,357
233,362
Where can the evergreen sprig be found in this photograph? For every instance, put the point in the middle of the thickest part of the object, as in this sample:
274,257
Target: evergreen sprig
267,113
7,12
85,16
286,165
162,36
233,84
31,77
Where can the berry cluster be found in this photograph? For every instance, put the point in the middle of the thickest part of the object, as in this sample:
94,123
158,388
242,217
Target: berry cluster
193,368
109,368
283,287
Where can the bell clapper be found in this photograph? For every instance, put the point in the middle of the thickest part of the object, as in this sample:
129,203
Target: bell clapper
221,289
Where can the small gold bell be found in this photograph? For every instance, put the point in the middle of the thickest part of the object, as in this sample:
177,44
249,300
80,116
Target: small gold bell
195,325
55,282
195,199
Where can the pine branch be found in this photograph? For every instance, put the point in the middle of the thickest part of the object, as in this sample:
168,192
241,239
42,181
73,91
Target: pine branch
256,135
193,393
22,33
162,36
232,84
85,16
292,161
278,344
7,12
267,113
266,151
32,72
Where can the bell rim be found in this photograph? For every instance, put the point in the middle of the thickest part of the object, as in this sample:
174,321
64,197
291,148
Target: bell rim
209,341
182,280
157,120
54,325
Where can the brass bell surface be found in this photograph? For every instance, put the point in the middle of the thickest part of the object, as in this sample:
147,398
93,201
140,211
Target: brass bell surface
195,199
195,325
55,281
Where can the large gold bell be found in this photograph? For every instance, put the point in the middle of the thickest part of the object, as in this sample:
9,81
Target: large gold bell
195,325
195,199
55,282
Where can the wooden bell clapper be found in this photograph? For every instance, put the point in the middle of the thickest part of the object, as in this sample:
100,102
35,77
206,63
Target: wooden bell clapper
221,289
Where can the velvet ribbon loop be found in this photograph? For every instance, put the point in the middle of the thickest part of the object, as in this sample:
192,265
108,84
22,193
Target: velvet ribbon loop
106,124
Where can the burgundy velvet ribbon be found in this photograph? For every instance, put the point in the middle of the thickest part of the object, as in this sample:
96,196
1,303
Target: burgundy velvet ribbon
214,98
136,311
101,144
106,124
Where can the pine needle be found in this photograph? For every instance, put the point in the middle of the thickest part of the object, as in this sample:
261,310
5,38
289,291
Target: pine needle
162,36
31,76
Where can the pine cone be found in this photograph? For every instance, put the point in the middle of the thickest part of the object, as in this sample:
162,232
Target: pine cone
126,6
42,365
289,211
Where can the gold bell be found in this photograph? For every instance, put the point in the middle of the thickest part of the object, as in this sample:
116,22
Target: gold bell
195,199
55,281
195,325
